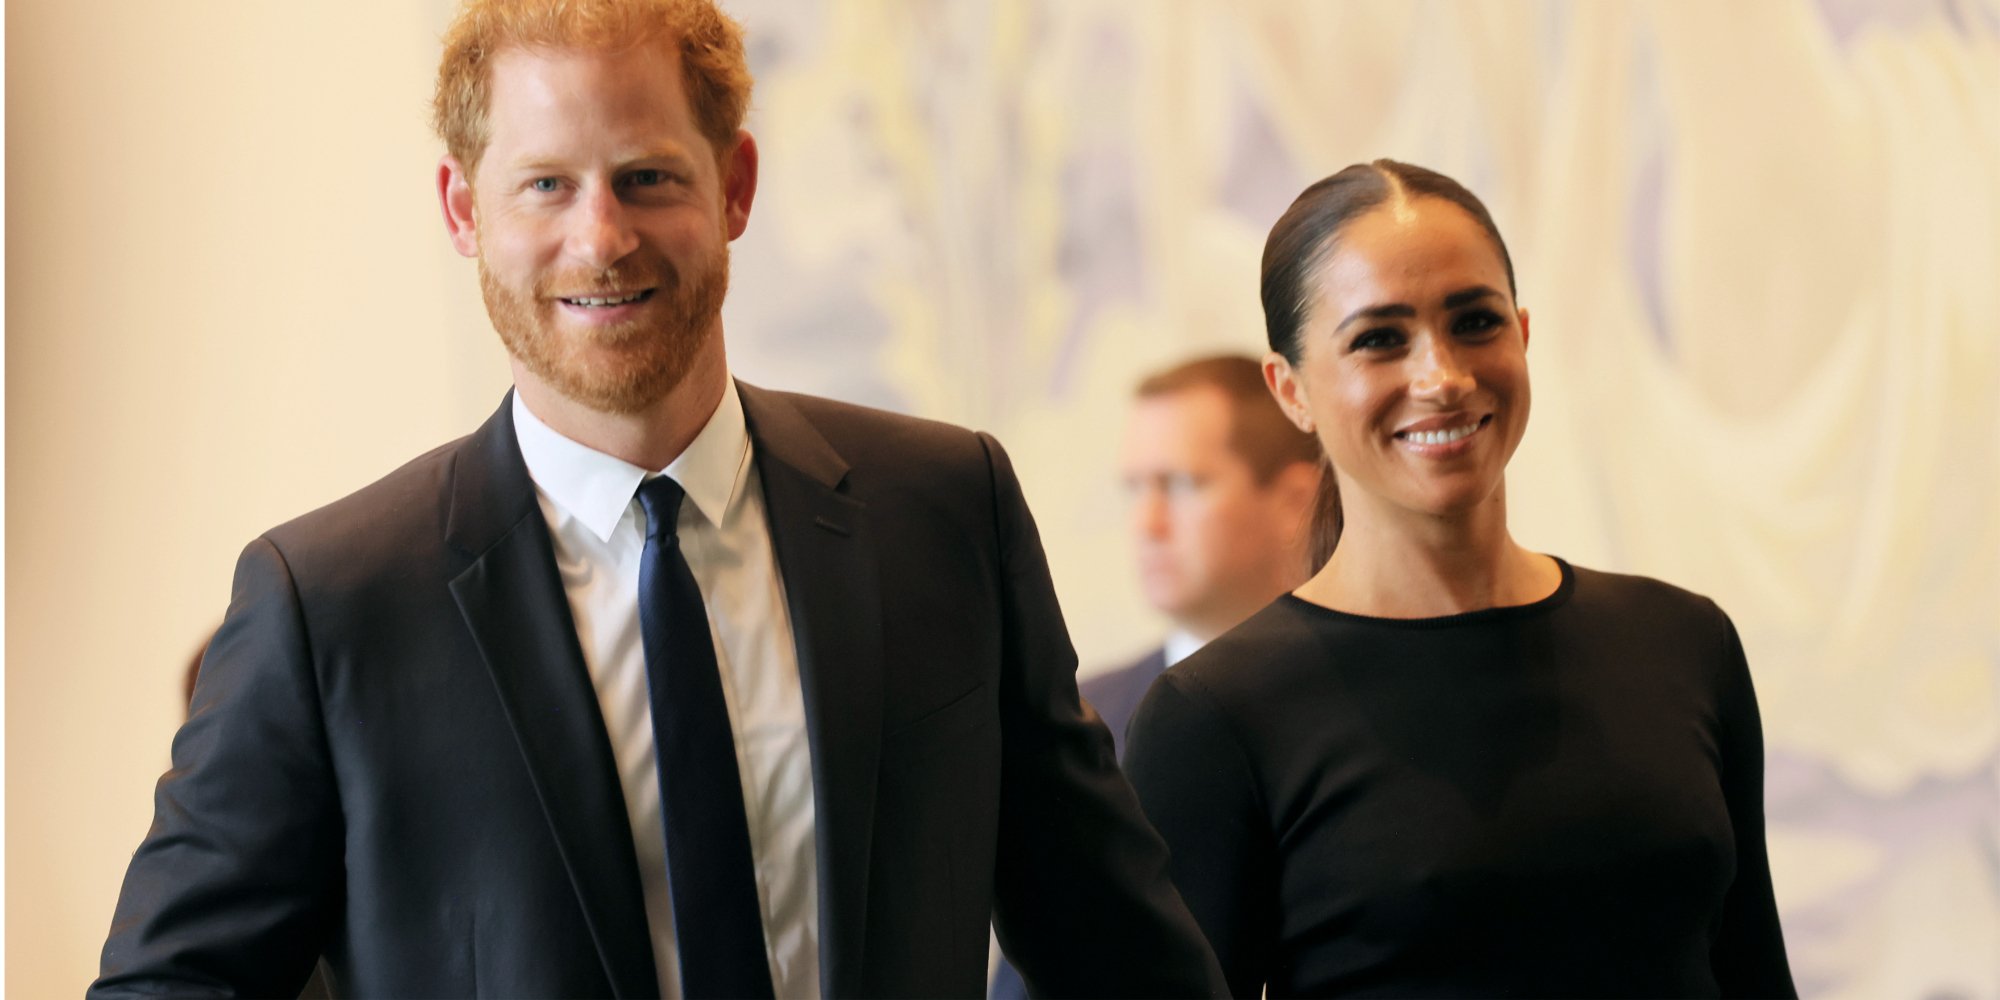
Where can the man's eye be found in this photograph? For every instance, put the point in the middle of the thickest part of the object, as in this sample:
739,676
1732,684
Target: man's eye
646,178
545,185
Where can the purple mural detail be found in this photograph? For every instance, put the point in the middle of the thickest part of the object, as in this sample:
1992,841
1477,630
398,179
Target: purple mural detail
823,331
1260,178
1646,210
1972,18
1807,793
792,323
1845,19
1643,246
1102,257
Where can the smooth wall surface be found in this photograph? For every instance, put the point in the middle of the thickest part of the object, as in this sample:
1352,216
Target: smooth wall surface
229,301
1759,241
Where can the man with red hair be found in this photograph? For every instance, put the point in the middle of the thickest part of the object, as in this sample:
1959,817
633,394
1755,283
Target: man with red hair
657,683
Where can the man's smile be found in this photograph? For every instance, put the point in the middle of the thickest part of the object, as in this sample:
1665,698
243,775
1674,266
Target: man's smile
608,301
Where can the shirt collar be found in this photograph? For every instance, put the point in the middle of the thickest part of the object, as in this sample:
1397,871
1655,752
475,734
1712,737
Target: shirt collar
596,489
1180,645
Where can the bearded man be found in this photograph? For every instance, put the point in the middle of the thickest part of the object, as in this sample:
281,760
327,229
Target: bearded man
657,683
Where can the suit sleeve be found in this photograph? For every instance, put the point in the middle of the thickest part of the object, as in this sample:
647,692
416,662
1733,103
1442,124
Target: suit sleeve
233,890
1083,902
1198,789
1748,953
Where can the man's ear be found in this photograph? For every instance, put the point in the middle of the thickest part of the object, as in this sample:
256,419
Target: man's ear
1288,391
461,222
739,183
1295,487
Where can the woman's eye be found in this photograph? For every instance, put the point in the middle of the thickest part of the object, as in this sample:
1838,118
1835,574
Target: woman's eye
1477,322
1375,340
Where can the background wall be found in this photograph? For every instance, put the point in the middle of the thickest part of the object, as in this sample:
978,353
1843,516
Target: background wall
1760,241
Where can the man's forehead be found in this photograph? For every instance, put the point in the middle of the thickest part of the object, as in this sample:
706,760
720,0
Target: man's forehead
1193,406
545,101
1191,423
538,76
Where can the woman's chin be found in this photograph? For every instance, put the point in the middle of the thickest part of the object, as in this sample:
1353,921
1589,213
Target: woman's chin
1454,500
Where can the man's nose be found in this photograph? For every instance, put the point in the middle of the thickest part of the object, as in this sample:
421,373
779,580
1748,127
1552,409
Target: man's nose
1440,375
601,232
1149,513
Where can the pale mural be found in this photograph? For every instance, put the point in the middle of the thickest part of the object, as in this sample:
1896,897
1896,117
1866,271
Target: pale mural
1760,240
1761,243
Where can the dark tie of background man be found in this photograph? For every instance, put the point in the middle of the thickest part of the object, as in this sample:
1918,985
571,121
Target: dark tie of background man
717,929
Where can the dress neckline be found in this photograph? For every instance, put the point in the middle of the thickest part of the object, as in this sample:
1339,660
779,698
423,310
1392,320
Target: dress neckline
1481,616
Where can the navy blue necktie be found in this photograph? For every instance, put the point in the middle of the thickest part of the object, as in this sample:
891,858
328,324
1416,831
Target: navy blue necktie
709,872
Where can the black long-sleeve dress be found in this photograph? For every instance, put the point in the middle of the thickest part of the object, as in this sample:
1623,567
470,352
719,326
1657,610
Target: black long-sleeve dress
1559,799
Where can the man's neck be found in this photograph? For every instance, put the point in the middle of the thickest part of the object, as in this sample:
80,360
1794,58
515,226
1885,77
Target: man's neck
1238,602
650,438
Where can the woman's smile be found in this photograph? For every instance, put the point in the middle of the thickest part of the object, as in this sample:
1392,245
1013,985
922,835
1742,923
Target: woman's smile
1442,437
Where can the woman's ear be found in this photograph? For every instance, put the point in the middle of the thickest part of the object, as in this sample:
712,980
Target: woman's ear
1522,315
1288,390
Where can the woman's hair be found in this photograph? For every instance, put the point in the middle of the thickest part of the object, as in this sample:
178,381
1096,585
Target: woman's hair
1298,247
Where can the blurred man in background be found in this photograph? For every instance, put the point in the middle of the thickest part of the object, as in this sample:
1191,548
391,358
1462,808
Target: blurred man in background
1221,488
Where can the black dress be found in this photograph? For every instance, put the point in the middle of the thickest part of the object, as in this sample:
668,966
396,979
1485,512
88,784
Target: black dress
1559,799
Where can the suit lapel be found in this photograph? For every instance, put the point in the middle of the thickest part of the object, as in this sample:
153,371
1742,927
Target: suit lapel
514,603
827,561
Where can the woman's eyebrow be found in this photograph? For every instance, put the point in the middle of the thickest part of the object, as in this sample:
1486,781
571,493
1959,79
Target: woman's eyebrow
1468,295
1397,310
1392,310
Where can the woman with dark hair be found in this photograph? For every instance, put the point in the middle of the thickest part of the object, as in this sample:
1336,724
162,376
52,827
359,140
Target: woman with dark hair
1448,765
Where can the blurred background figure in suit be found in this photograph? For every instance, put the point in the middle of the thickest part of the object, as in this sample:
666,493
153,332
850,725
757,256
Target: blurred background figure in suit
1221,487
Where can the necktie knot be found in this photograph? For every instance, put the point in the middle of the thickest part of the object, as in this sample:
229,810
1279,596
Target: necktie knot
661,498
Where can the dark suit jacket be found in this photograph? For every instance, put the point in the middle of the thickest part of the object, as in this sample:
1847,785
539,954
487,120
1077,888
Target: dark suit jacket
1115,695
396,757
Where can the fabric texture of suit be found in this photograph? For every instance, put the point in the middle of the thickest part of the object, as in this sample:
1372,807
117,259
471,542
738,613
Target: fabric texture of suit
396,757
1115,694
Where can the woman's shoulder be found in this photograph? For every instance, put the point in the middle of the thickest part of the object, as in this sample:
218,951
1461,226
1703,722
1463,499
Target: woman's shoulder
1229,700
1601,591
1648,613
1260,656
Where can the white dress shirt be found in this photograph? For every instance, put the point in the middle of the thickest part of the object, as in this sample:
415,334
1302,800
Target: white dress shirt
599,531
1179,646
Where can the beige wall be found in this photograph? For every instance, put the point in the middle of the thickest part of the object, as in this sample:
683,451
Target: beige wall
228,301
